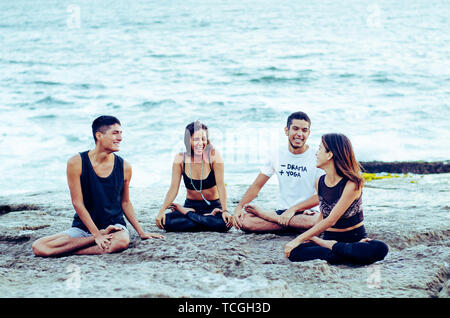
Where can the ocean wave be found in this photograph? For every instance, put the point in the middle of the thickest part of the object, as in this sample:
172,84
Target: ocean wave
258,113
48,116
33,63
163,56
49,100
347,75
381,78
301,56
49,83
393,80
87,86
274,69
27,63
240,74
393,94
153,104
271,79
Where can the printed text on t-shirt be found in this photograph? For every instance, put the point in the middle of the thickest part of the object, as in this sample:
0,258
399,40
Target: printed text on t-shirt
292,170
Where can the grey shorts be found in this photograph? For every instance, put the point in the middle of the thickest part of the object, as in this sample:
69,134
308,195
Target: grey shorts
77,232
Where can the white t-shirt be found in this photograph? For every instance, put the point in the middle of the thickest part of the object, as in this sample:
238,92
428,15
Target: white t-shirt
296,175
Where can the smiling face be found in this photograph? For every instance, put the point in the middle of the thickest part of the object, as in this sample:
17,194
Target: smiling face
323,156
199,140
297,134
110,138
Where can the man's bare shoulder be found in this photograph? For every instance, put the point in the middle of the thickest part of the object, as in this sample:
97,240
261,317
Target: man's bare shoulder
126,165
74,163
74,160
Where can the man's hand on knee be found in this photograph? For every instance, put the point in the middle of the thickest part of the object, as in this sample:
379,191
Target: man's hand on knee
286,216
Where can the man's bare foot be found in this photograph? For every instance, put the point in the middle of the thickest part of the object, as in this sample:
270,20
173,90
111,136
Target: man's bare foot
111,229
180,208
253,209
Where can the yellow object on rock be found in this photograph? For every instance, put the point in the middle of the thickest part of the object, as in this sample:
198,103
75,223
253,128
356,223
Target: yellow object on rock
374,176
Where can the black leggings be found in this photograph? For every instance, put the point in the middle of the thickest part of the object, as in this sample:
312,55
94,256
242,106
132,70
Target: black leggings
348,249
196,221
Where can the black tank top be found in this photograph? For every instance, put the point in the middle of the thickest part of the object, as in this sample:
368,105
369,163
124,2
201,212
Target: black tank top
207,183
102,196
328,197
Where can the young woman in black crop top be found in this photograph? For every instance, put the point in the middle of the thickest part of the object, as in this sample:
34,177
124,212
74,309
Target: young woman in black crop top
202,170
340,192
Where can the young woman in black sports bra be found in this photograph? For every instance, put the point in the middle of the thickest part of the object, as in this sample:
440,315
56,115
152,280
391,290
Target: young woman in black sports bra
202,170
340,191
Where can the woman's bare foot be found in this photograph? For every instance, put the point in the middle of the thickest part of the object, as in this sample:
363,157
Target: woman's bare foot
180,208
324,243
214,212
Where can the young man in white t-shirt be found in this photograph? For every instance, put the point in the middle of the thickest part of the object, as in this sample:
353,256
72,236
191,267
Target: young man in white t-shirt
295,167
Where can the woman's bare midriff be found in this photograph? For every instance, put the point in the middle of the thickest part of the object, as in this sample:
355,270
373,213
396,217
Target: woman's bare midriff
209,194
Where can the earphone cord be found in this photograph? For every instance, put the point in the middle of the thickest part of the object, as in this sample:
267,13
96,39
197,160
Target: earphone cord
201,181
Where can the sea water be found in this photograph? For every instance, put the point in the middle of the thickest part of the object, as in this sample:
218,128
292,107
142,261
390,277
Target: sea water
377,71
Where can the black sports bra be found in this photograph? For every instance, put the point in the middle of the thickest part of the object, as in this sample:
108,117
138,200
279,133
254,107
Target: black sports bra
207,183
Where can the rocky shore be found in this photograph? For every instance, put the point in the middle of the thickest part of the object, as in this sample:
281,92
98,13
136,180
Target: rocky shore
417,167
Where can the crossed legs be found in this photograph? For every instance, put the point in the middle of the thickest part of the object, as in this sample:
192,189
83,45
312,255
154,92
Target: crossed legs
261,221
63,244
183,219
363,252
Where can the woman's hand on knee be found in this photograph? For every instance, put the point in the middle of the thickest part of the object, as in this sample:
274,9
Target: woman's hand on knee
161,219
227,218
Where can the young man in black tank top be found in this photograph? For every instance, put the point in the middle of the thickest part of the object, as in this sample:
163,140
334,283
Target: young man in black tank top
99,188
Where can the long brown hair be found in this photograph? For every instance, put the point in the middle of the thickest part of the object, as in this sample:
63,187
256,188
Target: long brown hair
344,158
189,131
